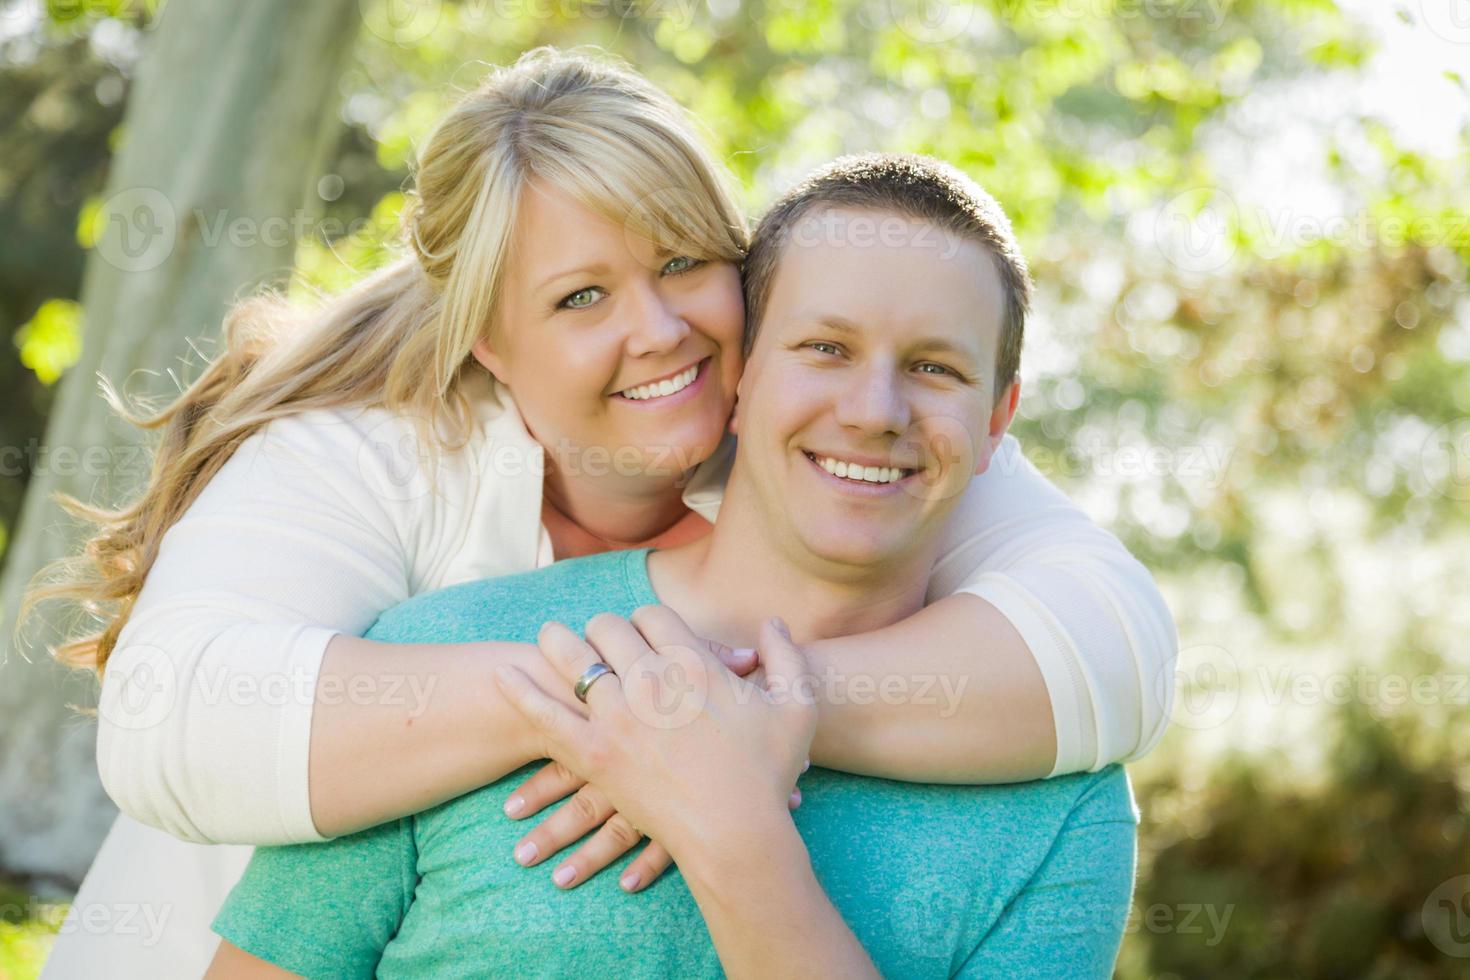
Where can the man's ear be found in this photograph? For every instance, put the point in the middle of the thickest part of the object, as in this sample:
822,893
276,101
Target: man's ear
488,359
1000,420
734,422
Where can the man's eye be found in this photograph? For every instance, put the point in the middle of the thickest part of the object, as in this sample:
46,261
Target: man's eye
581,299
938,368
824,347
680,263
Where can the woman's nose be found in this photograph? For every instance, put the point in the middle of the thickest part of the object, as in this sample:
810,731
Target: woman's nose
655,327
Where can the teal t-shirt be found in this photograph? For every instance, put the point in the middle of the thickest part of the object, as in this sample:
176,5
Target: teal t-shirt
1022,880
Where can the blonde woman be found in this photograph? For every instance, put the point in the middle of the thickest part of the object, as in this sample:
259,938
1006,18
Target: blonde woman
518,389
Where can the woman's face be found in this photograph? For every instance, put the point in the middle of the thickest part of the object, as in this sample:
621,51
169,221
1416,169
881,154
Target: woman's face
622,358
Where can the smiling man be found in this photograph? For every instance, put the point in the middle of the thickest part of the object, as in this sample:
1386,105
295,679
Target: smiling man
886,300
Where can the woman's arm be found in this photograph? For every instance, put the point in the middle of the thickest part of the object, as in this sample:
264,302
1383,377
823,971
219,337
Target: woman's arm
240,705
770,917
429,724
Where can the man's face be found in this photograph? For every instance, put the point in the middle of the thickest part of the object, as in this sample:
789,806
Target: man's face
868,400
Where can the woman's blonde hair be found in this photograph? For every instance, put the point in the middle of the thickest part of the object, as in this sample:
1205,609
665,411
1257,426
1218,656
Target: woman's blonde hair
401,337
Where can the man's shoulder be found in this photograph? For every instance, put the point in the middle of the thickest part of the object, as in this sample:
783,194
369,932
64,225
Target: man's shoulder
514,607
1032,813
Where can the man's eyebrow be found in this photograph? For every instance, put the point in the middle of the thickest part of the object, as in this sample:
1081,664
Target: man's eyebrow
842,324
944,346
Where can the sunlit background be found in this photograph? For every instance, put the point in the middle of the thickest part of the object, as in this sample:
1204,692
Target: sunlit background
1249,223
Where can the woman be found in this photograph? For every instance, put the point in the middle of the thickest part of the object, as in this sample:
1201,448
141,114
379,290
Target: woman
410,434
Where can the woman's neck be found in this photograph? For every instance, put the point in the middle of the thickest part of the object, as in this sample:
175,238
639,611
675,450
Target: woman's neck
590,516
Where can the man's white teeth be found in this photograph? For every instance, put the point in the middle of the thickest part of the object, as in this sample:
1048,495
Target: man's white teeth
866,474
668,386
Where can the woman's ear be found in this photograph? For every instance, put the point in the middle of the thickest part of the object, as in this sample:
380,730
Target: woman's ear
488,359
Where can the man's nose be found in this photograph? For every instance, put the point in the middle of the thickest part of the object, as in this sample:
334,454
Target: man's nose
874,402
655,327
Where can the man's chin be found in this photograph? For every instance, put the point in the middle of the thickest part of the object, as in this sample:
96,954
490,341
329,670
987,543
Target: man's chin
851,547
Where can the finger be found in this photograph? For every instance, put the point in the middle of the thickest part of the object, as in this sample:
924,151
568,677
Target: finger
662,627
552,782
561,729
571,655
618,642
738,660
644,870
613,839
587,810
786,665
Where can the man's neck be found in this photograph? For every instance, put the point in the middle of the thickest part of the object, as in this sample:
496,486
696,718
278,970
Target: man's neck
726,584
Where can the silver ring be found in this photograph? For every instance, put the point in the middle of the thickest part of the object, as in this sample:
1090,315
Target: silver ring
588,678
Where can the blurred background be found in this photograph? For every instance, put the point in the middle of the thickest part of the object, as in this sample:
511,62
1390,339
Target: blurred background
1249,221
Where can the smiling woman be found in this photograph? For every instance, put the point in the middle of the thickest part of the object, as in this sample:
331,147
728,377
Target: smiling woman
618,320
486,405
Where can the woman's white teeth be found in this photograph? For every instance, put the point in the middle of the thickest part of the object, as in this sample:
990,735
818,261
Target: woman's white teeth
668,386
867,474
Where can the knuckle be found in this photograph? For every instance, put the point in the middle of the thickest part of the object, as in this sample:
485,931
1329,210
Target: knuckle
601,623
621,833
586,806
649,615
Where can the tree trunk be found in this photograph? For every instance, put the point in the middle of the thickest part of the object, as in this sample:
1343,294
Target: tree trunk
225,135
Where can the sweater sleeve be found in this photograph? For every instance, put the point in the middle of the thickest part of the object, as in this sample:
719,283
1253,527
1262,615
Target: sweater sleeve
204,719
1088,610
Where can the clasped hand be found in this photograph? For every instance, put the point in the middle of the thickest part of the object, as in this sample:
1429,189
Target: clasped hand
677,746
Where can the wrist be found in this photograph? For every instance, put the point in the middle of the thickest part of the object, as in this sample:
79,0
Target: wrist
762,850
515,729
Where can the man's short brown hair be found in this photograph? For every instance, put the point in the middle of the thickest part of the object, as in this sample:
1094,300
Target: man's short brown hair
915,187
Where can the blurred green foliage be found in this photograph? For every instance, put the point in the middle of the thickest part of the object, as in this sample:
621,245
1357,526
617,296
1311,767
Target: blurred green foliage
1250,358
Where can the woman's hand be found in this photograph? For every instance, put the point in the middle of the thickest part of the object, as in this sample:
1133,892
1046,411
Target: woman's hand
589,809
683,749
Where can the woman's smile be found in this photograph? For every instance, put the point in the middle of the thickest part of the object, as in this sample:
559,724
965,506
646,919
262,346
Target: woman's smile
668,390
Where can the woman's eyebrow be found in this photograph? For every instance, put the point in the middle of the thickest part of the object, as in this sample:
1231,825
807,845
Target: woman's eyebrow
594,269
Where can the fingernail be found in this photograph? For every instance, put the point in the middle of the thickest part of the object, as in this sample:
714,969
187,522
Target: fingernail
526,853
564,875
514,805
796,797
806,765
630,881
742,653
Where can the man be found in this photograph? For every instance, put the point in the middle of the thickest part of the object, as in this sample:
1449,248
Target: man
885,303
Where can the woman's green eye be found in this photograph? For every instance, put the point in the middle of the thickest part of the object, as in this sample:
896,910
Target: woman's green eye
824,347
678,264
581,299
